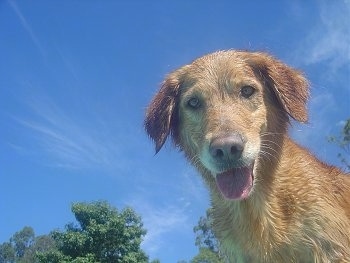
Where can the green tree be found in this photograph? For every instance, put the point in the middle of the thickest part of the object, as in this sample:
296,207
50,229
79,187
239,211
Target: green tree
7,253
205,237
206,255
23,246
343,141
103,234
41,244
22,240
206,241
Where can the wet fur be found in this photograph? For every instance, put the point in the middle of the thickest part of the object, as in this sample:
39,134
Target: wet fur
299,209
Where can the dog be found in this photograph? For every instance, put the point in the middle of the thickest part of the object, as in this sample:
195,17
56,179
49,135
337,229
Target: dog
272,200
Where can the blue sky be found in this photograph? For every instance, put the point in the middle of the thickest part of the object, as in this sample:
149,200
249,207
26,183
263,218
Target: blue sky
76,77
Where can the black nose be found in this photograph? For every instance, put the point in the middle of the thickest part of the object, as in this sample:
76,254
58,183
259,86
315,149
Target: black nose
227,147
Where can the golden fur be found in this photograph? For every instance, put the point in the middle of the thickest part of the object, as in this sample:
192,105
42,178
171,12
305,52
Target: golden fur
298,208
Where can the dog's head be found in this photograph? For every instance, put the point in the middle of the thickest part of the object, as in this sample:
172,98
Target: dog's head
225,111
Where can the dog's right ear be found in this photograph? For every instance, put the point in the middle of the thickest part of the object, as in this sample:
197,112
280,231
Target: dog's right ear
160,116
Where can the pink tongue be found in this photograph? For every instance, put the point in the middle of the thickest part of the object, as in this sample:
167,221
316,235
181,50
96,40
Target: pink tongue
235,183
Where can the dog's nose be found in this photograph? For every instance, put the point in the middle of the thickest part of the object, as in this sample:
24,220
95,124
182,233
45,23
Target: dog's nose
227,147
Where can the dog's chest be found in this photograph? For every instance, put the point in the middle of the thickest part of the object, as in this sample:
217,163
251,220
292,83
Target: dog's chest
250,238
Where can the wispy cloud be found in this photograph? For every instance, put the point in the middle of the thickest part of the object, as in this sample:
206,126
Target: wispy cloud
322,104
193,186
174,216
67,140
327,46
160,222
329,39
26,26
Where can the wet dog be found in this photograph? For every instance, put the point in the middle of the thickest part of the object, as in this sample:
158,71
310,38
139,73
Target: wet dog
273,201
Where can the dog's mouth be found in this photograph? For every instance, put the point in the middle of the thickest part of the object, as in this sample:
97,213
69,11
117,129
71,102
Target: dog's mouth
236,183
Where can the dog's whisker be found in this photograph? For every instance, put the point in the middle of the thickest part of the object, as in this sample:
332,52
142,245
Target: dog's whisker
271,145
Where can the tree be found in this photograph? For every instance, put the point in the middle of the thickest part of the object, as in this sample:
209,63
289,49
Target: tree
343,141
206,241
102,235
22,240
206,255
7,253
23,246
41,244
204,233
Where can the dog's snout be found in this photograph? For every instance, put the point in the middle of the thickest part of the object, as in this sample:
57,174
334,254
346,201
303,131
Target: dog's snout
227,147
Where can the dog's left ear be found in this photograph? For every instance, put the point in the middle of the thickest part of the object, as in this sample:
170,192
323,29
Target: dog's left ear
289,85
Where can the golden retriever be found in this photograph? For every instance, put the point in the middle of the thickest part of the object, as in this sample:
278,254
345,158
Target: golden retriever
273,201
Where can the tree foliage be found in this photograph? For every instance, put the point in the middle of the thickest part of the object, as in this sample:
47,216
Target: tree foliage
205,237
22,240
102,235
206,241
206,255
7,253
343,141
23,246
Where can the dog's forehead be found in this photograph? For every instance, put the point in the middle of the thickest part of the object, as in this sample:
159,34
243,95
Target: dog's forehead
218,61
220,69
222,56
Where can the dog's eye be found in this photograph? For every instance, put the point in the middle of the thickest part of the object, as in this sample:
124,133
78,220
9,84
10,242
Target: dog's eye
194,103
247,91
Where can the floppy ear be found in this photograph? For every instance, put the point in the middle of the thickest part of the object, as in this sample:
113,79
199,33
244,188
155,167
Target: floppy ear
160,116
289,85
